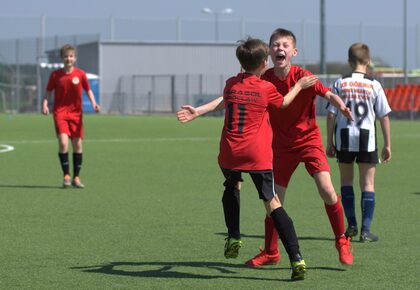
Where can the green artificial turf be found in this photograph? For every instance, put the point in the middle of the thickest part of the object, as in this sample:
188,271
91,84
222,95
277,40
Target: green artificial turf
150,216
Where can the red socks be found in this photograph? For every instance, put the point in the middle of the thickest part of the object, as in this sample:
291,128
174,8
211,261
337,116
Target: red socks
336,216
271,237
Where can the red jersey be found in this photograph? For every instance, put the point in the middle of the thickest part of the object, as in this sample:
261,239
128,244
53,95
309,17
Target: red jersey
295,125
68,91
247,135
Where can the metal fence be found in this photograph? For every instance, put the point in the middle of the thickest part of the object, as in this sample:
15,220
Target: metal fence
49,31
21,76
146,94
22,69
151,94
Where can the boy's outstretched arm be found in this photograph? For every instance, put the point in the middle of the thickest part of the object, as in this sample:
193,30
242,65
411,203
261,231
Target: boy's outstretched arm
337,102
189,113
301,84
386,132
331,150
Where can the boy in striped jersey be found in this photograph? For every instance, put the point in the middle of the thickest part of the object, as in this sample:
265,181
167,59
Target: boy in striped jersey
355,141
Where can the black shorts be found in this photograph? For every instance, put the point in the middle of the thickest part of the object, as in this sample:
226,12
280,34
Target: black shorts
263,181
360,157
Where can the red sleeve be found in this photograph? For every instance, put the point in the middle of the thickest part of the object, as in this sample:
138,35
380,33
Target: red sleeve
320,89
85,82
51,82
275,99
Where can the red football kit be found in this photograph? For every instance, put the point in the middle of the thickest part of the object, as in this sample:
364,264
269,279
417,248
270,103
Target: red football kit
246,141
68,89
297,137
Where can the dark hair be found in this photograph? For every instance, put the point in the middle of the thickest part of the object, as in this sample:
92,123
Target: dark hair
66,48
282,32
251,52
359,54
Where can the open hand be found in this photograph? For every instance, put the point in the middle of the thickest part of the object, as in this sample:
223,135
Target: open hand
187,114
308,81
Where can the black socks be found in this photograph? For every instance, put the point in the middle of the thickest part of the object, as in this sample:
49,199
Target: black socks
231,208
64,161
77,163
286,230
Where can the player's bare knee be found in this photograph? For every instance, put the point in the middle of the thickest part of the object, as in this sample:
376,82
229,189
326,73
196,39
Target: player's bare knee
329,196
272,204
77,145
62,147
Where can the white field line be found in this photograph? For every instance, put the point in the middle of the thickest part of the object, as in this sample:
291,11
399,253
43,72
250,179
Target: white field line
6,148
159,139
118,140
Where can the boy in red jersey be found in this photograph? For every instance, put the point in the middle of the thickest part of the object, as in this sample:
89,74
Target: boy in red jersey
245,146
296,139
67,84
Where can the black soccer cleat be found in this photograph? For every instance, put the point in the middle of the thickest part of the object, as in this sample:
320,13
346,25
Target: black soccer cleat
351,231
366,237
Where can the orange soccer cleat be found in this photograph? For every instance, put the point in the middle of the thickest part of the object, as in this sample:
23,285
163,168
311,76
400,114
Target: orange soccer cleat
263,258
66,181
77,183
344,250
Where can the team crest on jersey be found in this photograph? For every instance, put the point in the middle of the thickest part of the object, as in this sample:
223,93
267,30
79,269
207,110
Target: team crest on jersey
75,80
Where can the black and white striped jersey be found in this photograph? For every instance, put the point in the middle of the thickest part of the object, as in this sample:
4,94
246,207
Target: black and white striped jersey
366,99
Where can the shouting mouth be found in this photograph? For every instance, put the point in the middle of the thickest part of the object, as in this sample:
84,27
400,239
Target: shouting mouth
281,56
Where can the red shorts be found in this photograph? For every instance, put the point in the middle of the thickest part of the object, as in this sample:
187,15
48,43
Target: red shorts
285,163
72,127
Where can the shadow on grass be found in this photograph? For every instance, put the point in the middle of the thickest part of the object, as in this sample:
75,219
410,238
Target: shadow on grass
243,235
300,238
316,239
166,270
418,193
29,186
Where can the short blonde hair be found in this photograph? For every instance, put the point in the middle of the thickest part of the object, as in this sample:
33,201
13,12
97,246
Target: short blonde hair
281,32
65,48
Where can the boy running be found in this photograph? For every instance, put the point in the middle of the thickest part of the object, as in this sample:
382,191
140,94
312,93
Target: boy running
67,84
296,138
356,141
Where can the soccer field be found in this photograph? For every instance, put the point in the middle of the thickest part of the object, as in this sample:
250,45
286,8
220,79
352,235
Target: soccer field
151,217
